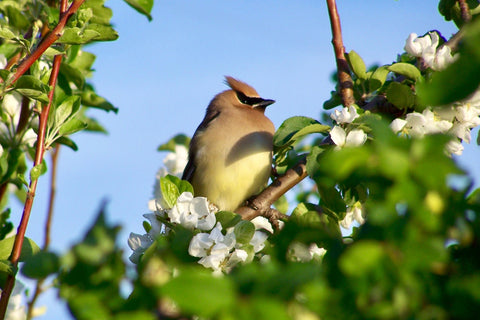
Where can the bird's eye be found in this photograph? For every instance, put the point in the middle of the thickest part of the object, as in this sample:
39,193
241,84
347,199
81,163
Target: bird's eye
242,98
251,101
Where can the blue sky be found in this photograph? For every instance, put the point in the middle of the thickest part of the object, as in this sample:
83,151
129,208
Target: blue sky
162,74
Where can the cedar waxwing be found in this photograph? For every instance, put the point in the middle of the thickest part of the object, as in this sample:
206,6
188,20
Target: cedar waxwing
230,157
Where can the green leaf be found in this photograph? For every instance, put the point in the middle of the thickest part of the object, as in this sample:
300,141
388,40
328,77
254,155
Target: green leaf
169,190
41,265
334,101
66,110
77,35
406,69
136,315
142,6
91,99
200,292
361,258
72,126
400,95
459,79
179,139
6,268
294,128
6,33
357,65
66,141
73,74
312,161
37,171
33,88
106,33
378,78
228,219
244,231
29,248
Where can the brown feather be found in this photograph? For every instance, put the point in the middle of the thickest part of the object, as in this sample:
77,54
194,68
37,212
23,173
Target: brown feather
240,86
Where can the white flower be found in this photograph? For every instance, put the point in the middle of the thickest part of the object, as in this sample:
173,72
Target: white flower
441,59
176,161
16,310
419,47
303,253
258,240
262,223
418,124
213,248
347,115
3,61
138,243
434,124
316,251
192,212
426,48
397,125
454,147
354,138
354,213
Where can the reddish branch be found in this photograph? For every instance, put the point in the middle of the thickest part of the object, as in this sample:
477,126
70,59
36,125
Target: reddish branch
17,246
51,200
260,205
343,71
464,10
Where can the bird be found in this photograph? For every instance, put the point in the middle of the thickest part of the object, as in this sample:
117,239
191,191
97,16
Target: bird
230,154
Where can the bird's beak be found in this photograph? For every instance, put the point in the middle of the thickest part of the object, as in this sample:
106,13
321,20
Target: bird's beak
264,103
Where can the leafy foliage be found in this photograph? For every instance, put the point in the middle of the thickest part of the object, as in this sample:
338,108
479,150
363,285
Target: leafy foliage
414,257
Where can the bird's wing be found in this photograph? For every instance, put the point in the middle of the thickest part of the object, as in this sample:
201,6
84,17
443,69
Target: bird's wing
189,170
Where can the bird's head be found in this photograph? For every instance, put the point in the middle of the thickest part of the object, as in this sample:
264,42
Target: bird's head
242,95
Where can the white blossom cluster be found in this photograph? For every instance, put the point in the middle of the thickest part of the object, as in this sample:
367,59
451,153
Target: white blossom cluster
217,248
427,48
342,137
457,119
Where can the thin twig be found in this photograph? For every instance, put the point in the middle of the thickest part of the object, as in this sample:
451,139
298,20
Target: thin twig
260,205
343,71
17,246
464,10
51,200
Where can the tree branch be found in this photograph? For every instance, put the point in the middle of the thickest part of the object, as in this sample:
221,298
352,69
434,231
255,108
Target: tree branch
464,10
343,71
51,200
17,246
260,205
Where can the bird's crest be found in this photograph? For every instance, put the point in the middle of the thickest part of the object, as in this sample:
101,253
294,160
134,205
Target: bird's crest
240,86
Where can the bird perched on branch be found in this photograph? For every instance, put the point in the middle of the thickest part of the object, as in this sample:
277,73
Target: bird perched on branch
230,155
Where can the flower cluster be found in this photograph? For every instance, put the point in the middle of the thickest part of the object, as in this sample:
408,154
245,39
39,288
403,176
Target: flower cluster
218,248
457,119
343,136
427,48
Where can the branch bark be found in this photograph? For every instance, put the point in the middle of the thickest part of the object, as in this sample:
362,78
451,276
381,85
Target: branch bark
345,82
464,10
260,205
19,238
